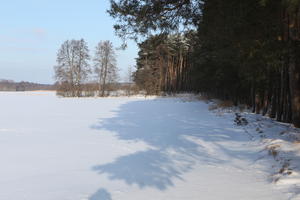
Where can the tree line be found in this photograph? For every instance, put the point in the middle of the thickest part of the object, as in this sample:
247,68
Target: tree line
74,71
245,51
163,64
10,85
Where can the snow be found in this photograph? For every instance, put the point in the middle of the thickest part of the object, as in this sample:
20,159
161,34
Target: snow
131,148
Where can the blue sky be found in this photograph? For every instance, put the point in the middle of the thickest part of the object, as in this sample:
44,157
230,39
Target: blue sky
32,31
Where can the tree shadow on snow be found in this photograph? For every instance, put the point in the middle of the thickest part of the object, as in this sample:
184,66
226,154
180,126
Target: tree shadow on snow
101,194
170,127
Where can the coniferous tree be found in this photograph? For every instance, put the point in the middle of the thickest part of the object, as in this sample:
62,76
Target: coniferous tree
246,51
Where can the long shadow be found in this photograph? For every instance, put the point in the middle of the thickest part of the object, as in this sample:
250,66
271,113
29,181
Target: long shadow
169,127
101,194
147,168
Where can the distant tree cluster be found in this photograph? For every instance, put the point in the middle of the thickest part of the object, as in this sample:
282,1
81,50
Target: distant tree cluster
74,72
9,85
245,51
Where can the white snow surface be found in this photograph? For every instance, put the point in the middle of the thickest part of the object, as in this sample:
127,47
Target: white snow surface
132,148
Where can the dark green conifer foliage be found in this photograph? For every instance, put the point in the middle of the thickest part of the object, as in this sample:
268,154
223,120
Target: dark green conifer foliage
246,51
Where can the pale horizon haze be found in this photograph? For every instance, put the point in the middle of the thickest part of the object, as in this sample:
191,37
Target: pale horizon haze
32,32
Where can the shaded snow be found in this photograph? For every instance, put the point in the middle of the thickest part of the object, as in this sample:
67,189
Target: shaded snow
128,148
280,144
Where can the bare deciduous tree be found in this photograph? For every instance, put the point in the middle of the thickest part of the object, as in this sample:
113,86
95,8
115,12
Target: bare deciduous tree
105,66
129,80
72,65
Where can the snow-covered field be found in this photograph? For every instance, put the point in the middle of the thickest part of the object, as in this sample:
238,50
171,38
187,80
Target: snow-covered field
134,148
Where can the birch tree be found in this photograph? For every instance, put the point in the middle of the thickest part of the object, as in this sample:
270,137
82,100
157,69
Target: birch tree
129,80
105,66
72,67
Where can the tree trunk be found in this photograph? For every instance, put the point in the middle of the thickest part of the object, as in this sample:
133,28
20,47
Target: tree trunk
295,85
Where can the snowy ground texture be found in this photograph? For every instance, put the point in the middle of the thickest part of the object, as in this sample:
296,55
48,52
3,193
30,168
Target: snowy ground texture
135,148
